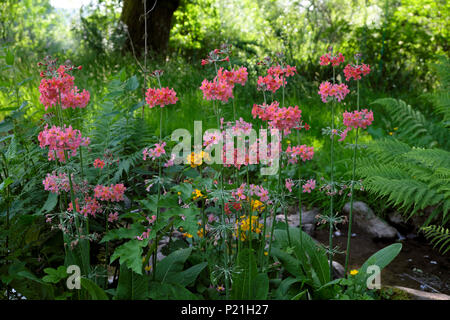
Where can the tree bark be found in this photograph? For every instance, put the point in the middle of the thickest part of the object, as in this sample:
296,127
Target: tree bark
159,23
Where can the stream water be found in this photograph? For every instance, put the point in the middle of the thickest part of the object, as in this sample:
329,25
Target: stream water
418,265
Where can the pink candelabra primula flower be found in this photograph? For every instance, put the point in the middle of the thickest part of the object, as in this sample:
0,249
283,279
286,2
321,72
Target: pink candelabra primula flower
338,91
303,152
284,119
154,153
161,97
243,190
233,76
289,184
58,87
99,163
113,217
356,119
355,71
61,139
55,183
309,185
91,207
113,193
217,90
171,161
144,235
328,58
270,83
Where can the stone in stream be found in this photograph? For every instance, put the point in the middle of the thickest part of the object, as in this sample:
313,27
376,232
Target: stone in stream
338,270
366,220
414,294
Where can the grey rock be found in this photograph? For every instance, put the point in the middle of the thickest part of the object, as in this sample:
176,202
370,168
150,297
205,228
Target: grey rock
338,270
365,219
423,295
309,228
309,217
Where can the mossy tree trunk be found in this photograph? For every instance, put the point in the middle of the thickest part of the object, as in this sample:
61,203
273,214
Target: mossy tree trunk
159,23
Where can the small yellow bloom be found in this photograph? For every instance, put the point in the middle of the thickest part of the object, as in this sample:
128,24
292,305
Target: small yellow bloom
197,194
390,133
257,205
181,229
266,253
148,268
143,259
288,141
200,233
179,193
354,272
396,128
187,235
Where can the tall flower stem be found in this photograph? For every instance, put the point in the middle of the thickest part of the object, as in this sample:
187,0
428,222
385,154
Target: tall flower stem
299,193
350,217
222,216
330,237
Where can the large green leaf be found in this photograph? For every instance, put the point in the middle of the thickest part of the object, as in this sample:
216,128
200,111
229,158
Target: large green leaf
261,286
167,268
130,254
382,257
132,286
243,279
170,291
187,277
123,233
93,289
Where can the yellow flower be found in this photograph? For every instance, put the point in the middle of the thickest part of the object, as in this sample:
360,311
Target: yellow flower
188,235
354,272
257,205
288,141
244,226
148,268
396,128
196,159
266,253
179,193
390,133
197,194
200,233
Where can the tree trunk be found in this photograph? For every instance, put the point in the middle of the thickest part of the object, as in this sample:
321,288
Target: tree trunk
159,23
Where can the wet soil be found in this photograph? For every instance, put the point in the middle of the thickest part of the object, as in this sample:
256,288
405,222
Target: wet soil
418,265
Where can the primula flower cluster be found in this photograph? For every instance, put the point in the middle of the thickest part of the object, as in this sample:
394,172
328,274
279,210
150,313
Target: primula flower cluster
338,91
276,77
156,152
356,119
356,71
61,139
60,89
113,193
91,206
99,163
309,185
326,59
278,118
243,191
303,152
55,183
161,97
221,88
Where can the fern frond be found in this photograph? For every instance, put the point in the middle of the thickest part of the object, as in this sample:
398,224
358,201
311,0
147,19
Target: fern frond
438,235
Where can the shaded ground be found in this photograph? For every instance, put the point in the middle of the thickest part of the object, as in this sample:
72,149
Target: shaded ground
418,265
